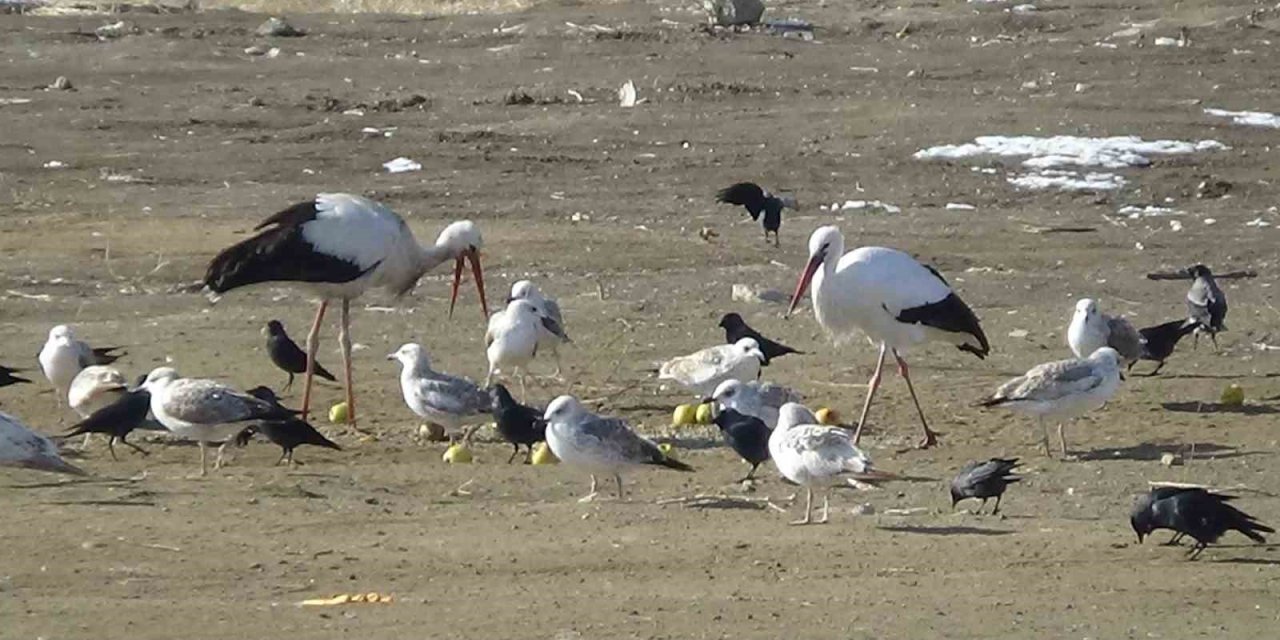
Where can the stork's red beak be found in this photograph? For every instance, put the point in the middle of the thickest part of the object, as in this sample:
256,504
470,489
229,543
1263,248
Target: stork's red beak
805,279
471,255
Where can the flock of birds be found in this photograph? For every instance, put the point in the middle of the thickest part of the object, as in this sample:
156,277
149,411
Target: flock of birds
337,246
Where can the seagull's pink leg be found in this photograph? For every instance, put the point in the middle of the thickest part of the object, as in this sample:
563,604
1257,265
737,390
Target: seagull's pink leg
930,438
871,392
312,344
344,337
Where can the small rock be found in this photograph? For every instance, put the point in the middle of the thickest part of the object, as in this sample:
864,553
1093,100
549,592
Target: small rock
89,545
751,293
61,84
864,509
278,27
730,13
1170,459
110,31
257,50
1211,188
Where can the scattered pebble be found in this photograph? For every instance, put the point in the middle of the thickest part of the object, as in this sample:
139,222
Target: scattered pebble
401,165
61,84
864,509
280,28
1170,459
752,293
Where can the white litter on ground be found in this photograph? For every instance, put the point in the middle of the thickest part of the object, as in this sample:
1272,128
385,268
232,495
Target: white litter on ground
1248,118
1257,222
864,204
1065,180
401,165
960,206
1149,211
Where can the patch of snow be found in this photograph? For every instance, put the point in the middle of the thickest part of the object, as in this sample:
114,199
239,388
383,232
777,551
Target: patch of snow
869,204
1116,152
1248,118
401,165
1067,180
960,206
1149,211
1257,222
1024,8
1168,42
1175,225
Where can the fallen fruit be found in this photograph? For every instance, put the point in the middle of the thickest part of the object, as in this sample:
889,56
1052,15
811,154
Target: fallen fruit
542,455
457,454
703,414
685,414
1233,395
339,413
828,416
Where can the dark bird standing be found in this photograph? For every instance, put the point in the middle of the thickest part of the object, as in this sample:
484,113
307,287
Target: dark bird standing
735,329
758,201
287,355
117,420
1206,304
517,423
288,433
1158,342
1194,512
984,480
747,435
7,378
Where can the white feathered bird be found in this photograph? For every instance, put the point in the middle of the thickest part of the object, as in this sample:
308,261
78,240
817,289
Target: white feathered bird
703,371
548,340
1090,330
513,339
21,447
759,399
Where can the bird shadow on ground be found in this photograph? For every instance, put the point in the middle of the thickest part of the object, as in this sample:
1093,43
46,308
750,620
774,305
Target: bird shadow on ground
1208,376
102,503
1153,451
1218,407
948,531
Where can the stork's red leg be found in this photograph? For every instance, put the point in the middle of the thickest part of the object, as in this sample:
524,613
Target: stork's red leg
930,438
313,343
344,337
871,393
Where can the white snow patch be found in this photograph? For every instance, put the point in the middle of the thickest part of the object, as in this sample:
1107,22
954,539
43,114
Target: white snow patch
1248,118
401,165
1116,152
1257,222
1149,211
1067,180
1024,8
960,206
868,204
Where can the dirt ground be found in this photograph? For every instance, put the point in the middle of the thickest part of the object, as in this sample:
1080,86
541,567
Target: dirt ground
174,142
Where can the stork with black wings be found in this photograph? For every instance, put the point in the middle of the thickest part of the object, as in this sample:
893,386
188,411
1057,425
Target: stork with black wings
757,201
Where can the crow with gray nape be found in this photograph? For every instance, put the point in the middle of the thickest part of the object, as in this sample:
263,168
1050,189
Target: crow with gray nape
1159,341
757,201
1195,512
1206,304
984,480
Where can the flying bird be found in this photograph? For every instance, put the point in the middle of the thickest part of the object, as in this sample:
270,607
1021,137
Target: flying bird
1206,304
735,329
117,420
893,299
600,445
1090,330
287,433
759,399
337,246
286,354
984,480
548,340
814,455
1195,512
7,378
703,371
757,201
513,337
747,435
1159,341
63,356
517,423
449,401
21,447
1062,390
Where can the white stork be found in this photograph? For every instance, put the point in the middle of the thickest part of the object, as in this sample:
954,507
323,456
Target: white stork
337,246
893,299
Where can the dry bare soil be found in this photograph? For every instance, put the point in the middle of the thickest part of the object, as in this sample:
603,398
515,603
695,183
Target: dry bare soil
174,142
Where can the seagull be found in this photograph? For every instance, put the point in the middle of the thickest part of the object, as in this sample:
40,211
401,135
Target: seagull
513,336
735,329
1206,304
598,444
337,246
442,399
1158,341
702,371
96,386
1091,330
756,201
284,353
516,423
984,480
747,435
117,420
63,356
811,454
204,410
547,340
890,297
1061,390
1195,512
24,448
7,378
759,399
287,433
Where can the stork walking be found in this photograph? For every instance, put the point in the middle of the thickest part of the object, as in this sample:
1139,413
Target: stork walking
893,299
338,246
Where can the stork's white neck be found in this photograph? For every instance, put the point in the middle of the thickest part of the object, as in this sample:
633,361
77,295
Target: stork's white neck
821,279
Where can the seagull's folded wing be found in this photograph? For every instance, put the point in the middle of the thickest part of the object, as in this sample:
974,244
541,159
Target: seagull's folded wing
454,396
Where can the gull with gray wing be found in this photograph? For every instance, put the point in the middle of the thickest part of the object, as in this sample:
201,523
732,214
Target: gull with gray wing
23,448
759,399
449,401
1091,329
703,371
549,339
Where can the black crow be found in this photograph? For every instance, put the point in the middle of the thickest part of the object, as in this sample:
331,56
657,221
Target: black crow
984,480
1206,304
757,201
117,420
517,423
7,378
735,329
1158,341
287,433
286,354
747,435
1194,512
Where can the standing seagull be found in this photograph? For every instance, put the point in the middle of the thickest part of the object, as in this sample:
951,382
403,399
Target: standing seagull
517,423
1091,330
7,378
735,329
759,399
1206,304
1061,390
24,448
442,399
513,336
339,245
284,353
1194,512
600,445
204,410
756,201
703,371
891,297
1158,341
547,339
811,454
984,480
63,356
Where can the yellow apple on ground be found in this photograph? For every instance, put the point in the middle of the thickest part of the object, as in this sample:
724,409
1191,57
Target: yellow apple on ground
685,414
703,414
339,413
457,454
542,455
1233,395
827,416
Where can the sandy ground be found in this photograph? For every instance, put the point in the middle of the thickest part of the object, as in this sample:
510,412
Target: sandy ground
174,143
